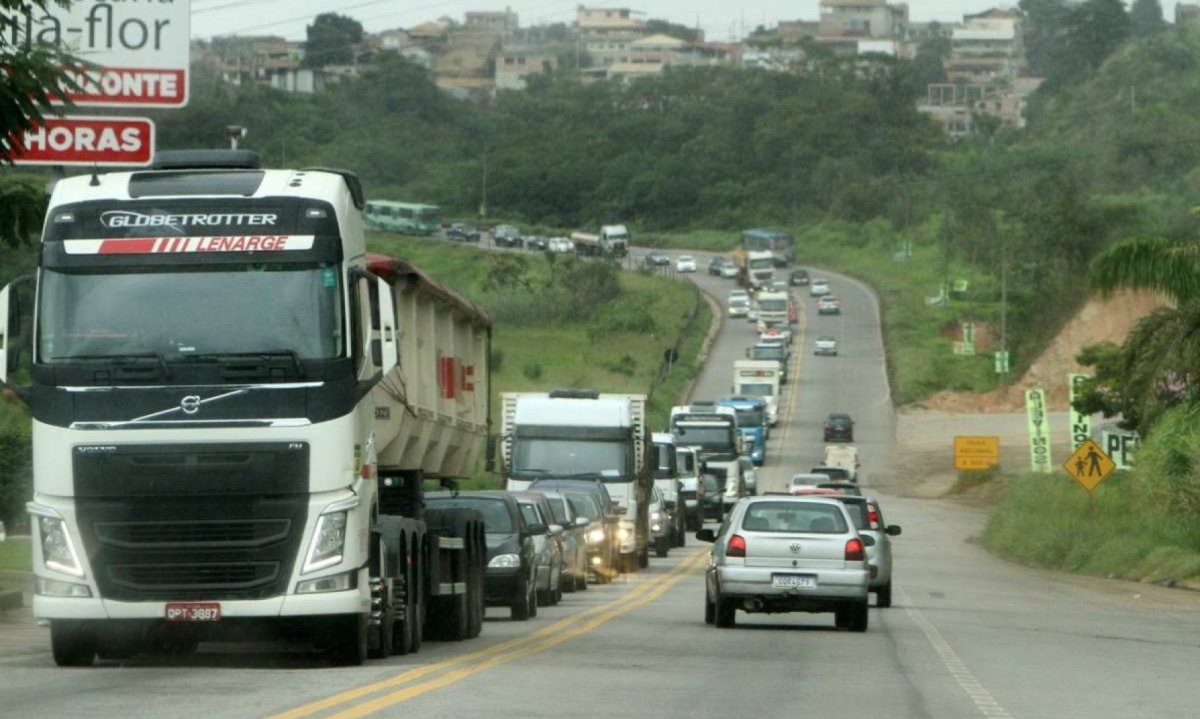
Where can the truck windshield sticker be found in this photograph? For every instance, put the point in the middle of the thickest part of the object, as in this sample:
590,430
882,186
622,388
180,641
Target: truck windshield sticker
172,245
127,218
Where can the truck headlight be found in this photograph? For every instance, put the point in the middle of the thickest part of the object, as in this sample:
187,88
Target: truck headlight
337,583
328,542
595,536
505,561
58,552
625,531
655,516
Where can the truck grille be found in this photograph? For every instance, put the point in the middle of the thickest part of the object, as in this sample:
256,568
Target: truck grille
198,522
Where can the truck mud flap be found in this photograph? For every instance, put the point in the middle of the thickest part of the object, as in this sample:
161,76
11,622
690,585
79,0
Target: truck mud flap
457,561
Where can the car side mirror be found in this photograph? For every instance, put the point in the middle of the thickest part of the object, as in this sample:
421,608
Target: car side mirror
582,521
556,530
867,540
706,535
893,530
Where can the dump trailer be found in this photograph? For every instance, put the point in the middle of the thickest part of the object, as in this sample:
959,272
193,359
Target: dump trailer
584,434
235,408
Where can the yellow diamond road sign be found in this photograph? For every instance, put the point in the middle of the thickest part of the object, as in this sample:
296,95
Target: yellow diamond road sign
1089,465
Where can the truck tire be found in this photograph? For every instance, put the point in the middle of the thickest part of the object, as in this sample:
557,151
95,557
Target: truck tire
403,636
477,564
383,619
662,546
643,557
73,643
581,583
348,640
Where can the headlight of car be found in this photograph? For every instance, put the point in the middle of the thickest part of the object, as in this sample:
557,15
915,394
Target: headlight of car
505,561
595,536
625,532
655,516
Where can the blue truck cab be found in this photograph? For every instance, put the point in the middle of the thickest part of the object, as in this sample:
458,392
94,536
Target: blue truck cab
752,424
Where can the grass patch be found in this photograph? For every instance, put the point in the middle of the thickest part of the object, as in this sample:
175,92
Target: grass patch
1050,521
971,479
15,556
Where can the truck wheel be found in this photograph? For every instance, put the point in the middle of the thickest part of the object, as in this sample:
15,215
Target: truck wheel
643,557
348,640
477,562
73,643
406,613
581,581
661,547
453,618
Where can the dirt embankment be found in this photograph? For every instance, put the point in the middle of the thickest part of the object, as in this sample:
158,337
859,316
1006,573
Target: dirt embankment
925,431
1099,320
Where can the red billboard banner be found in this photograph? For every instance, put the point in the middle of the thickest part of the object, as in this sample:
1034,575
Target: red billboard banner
131,87
122,141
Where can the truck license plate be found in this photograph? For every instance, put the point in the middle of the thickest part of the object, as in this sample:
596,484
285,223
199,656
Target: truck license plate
194,612
793,581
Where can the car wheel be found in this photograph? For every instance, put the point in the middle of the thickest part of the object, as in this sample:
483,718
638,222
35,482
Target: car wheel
523,603
726,612
661,547
858,617
710,612
567,583
883,596
581,582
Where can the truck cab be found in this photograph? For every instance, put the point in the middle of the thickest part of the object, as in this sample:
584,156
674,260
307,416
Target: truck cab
753,424
713,431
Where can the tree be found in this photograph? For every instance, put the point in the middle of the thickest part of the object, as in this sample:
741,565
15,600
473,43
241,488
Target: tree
675,30
331,40
1043,26
1159,359
1147,17
1092,31
33,76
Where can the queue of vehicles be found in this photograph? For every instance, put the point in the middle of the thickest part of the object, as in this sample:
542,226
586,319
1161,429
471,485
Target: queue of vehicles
356,556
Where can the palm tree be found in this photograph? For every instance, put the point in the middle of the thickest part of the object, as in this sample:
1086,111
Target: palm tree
1160,359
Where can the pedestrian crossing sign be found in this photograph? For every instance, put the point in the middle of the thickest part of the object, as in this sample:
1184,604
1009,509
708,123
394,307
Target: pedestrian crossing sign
1089,465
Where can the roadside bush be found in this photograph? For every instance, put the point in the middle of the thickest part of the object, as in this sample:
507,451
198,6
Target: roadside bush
1168,466
628,314
532,371
16,480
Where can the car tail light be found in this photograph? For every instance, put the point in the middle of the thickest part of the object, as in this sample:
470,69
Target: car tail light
736,547
854,550
873,517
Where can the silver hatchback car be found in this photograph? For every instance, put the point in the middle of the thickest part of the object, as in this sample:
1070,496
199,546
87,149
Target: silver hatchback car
776,553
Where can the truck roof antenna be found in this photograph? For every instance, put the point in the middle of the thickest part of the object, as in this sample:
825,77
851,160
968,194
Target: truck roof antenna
95,181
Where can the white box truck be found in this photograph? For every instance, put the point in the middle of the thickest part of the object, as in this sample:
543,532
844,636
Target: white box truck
234,409
567,434
759,378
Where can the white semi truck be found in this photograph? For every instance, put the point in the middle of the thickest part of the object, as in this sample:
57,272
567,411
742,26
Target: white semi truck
611,241
568,434
712,431
235,408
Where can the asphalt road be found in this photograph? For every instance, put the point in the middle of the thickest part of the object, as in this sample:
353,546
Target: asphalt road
967,636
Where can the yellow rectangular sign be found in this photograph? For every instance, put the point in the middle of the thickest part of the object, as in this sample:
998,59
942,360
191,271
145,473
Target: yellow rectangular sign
976,452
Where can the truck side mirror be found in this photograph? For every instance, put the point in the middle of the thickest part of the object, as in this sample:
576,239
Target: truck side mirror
489,462
9,356
388,352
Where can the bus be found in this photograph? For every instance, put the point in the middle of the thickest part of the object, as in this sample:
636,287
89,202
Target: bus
404,217
780,244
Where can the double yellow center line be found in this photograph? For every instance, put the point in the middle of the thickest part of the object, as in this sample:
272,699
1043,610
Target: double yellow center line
370,698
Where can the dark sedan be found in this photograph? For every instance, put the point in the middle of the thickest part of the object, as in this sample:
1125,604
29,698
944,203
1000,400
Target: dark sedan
462,232
510,579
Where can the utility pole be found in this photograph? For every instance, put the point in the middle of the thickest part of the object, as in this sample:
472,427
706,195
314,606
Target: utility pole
483,189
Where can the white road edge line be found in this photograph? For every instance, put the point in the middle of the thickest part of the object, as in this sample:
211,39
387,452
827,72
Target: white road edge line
983,699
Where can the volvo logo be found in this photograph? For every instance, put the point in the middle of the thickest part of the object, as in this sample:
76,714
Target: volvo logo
795,547
190,404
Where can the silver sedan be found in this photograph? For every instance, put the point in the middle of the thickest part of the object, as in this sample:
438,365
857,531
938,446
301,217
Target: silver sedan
777,553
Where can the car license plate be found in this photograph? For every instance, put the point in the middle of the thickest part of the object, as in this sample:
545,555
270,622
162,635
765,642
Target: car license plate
194,612
793,581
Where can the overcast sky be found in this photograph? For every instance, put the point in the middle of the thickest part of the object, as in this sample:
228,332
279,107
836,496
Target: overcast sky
720,19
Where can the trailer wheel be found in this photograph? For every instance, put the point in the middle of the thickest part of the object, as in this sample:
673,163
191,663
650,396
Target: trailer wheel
73,643
402,641
478,564
383,600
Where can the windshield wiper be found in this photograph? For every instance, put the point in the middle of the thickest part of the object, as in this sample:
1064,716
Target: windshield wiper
118,359
265,355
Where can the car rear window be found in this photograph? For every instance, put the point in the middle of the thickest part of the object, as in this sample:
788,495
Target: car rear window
558,507
858,513
496,519
806,517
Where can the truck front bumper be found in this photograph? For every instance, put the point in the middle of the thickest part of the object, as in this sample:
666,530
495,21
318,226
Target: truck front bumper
354,601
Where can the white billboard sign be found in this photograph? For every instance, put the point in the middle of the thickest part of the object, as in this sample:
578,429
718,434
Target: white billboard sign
140,50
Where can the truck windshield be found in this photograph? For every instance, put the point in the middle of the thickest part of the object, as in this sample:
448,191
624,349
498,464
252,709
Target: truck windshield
175,311
607,459
757,390
750,417
713,437
768,353
765,263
